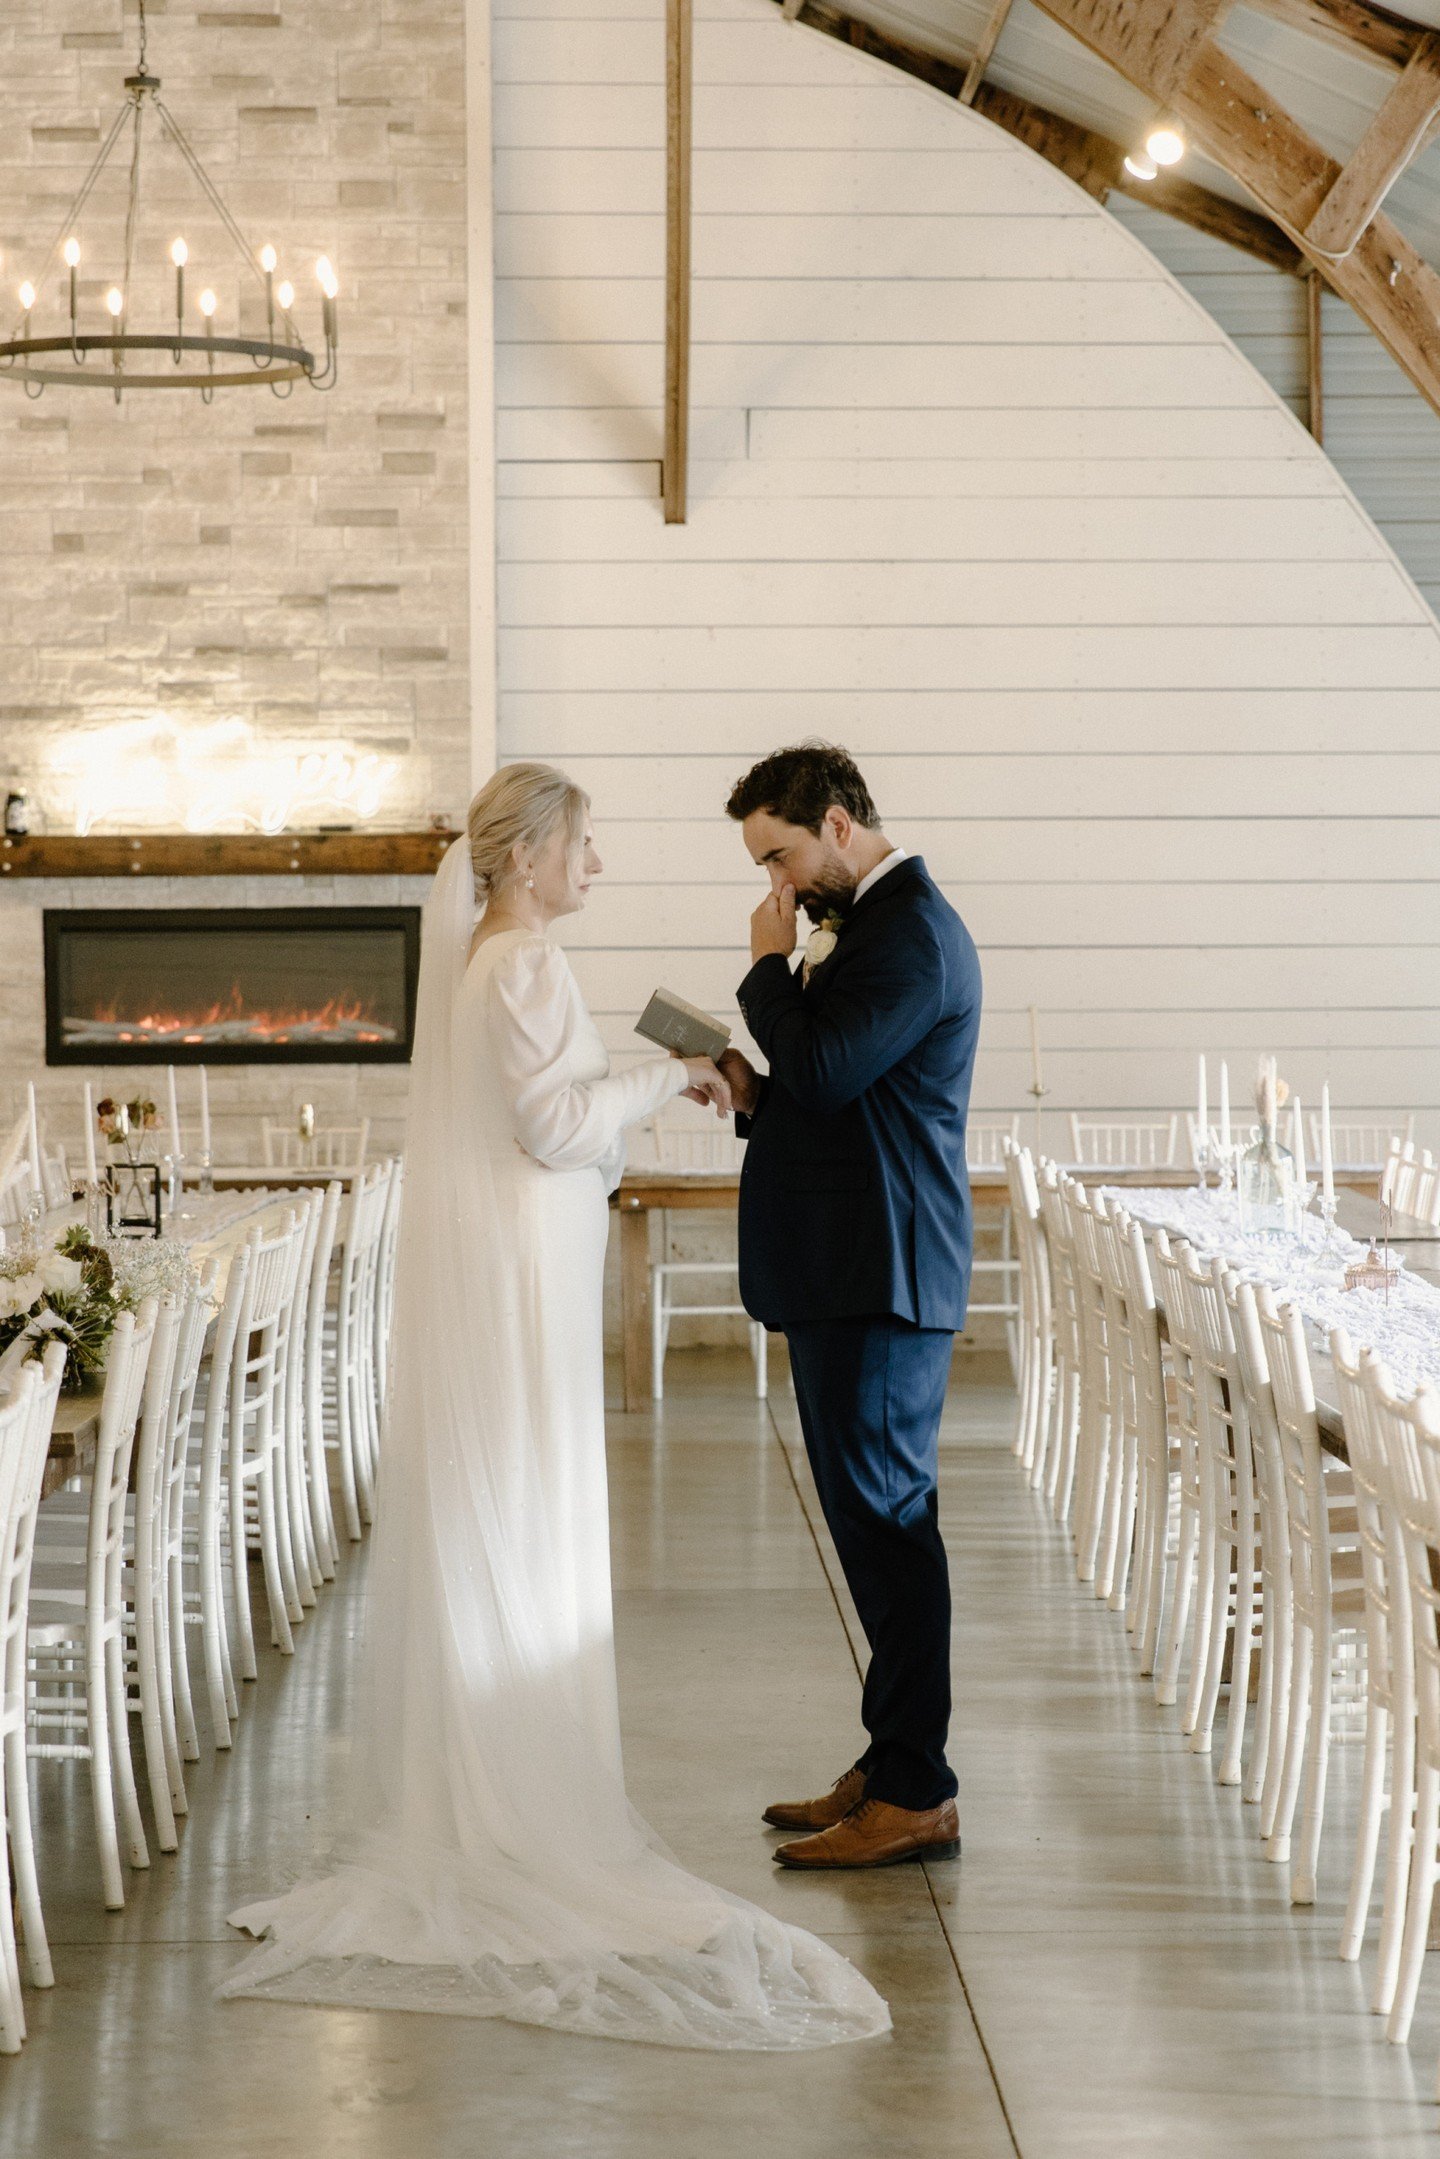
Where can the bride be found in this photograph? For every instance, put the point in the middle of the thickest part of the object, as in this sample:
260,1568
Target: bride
494,1865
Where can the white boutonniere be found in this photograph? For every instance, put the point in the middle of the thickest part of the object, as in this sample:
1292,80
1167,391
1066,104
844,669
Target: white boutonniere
820,944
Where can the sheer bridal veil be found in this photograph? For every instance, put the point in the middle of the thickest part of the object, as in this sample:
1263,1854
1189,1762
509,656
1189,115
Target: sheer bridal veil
493,1864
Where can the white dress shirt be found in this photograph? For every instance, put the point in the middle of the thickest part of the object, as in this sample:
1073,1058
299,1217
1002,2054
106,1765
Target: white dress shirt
873,877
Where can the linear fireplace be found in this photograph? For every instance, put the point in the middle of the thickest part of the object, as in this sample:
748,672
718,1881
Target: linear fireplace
221,985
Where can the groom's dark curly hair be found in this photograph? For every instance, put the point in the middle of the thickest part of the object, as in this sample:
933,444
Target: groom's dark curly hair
800,784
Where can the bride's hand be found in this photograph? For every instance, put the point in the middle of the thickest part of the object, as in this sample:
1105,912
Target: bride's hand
707,1084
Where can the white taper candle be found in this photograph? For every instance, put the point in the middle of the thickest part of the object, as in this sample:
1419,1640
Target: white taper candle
1297,1139
175,1147
92,1170
1327,1156
35,1177
1225,1105
1202,1109
204,1111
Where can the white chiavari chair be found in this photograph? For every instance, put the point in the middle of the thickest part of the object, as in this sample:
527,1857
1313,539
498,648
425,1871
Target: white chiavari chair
678,1140
213,1544
1064,1286
385,1282
1362,1389
1358,1145
25,1421
77,1706
1183,1418
1127,1143
55,1178
1118,1531
20,1197
1425,1199
1037,1318
256,1439
311,1370
1407,1435
1326,1587
1227,1603
304,1545
1157,1458
349,1341
61,1554
1098,1442
340,1146
1261,1786
1397,1179
985,1145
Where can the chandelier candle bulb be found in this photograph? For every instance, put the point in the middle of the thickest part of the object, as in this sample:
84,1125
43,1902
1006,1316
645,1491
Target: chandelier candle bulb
27,295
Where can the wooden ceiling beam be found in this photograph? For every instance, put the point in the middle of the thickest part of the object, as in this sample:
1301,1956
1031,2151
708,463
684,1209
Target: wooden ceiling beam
1091,160
1394,137
989,39
1239,125
1374,31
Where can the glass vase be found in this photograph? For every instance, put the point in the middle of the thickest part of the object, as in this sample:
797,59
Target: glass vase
1265,1185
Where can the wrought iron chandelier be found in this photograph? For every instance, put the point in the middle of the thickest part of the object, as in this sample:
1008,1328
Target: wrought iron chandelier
119,358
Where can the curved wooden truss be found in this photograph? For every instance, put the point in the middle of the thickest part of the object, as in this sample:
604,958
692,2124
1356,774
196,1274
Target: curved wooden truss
1315,213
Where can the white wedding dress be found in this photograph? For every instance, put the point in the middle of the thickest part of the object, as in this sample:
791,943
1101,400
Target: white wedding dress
493,1865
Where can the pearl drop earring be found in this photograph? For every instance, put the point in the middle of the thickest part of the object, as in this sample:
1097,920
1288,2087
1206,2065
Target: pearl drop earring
529,884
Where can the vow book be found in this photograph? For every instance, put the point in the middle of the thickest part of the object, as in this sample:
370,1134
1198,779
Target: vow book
676,1025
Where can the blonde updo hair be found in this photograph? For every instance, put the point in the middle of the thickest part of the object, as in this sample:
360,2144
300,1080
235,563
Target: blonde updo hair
520,805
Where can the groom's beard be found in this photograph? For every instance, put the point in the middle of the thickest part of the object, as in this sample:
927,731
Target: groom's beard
833,894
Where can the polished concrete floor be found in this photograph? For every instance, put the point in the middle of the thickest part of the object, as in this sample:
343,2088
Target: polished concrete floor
1111,1970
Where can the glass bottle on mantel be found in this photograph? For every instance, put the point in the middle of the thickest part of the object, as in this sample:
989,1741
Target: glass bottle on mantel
1265,1184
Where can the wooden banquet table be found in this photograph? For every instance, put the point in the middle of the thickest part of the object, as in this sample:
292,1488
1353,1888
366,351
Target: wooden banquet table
644,1191
221,1225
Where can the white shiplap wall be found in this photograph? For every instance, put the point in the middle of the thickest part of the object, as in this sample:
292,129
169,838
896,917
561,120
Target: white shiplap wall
979,490
1382,437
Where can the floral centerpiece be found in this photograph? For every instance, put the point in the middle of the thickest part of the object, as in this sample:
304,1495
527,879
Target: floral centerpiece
74,1288
125,1124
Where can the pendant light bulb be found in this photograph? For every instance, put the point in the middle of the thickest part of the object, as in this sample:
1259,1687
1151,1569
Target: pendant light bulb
1165,143
179,253
72,252
1140,165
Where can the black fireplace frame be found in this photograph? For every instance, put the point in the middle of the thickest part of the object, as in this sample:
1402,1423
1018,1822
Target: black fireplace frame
59,920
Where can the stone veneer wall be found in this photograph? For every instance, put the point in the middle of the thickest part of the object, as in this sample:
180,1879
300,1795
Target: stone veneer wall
301,564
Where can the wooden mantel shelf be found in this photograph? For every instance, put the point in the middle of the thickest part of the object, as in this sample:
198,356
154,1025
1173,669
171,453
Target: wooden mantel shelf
224,854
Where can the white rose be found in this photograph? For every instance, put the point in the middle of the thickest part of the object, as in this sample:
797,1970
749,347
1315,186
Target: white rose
60,1274
818,946
20,1293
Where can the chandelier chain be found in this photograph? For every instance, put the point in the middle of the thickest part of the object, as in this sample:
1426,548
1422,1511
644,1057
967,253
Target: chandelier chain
87,186
132,206
178,136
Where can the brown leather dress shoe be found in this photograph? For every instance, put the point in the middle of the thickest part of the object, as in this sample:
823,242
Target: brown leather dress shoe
845,1793
875,1834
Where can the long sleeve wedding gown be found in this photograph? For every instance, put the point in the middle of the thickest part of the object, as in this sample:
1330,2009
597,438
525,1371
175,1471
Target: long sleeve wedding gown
494,1865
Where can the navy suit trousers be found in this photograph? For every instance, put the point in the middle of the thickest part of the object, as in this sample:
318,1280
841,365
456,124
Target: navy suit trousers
870,1393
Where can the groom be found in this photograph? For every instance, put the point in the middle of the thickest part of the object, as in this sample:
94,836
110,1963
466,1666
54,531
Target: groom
855,1242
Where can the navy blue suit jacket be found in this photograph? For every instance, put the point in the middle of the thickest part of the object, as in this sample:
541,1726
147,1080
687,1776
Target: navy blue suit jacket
854,1198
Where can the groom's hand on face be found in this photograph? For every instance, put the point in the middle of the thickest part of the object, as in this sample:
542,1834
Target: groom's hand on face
772,926
744,1080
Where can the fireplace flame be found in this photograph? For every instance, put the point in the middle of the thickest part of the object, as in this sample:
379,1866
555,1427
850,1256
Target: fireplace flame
343,1018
